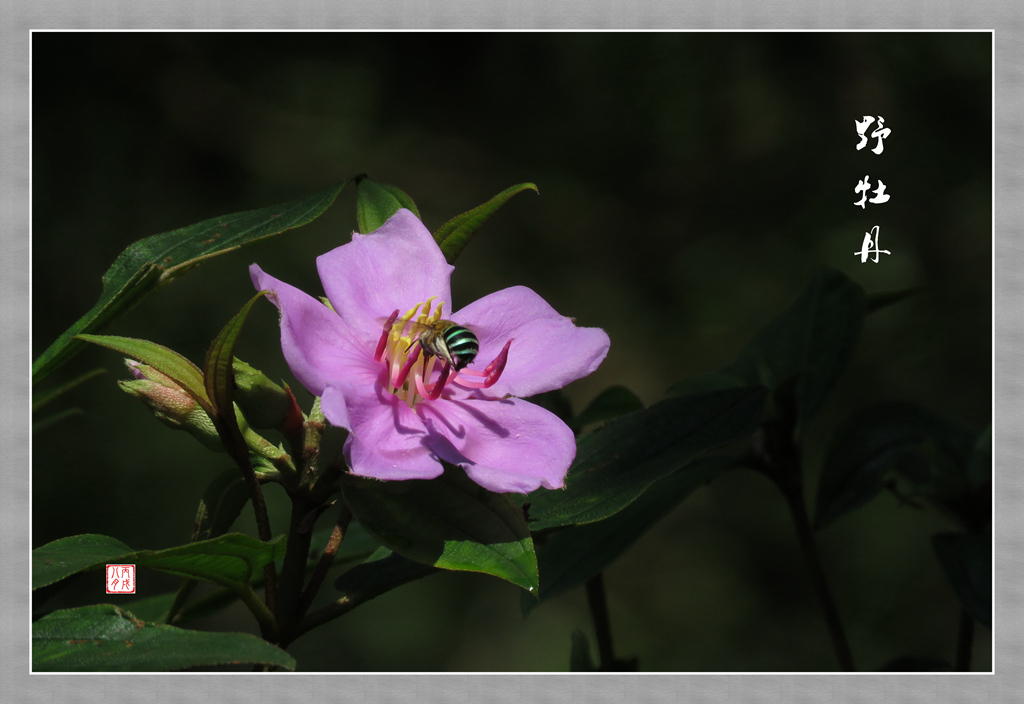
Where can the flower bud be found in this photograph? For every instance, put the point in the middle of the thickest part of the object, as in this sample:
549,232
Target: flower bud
264,404
170,403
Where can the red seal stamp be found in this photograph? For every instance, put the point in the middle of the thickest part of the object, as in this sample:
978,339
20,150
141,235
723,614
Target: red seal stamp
120,579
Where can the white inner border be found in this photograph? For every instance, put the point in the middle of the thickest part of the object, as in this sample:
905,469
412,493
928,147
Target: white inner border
1008,115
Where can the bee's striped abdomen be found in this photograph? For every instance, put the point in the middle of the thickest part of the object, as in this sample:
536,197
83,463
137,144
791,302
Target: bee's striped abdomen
462,345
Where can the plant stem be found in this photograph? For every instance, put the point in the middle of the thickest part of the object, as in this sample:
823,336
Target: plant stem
964,642
268,624
598,603
312,436
263,527
326,560
805,536
180,598
778,456
234,443
293,570
306,508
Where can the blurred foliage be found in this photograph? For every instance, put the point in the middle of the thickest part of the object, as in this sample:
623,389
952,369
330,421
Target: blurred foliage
690,186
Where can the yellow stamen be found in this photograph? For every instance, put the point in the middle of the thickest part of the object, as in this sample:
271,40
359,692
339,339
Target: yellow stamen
402,341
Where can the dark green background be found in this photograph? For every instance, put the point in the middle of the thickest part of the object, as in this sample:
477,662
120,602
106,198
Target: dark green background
690,186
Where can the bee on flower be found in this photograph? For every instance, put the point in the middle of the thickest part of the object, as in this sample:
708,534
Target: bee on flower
414,385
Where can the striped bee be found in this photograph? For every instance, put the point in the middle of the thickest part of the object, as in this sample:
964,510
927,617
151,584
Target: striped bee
451,342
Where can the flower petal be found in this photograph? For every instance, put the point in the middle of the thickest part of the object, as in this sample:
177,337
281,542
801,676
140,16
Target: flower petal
318,346
549,351
387,440
505,446
394,267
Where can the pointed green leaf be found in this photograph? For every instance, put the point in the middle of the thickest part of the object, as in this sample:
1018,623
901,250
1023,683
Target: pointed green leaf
158,259
221,504
811,341
869,446
455,234
219,358
568,558
449,522
220,378
165,360
228,560
376,202
967,561
62,558
618,462
105,638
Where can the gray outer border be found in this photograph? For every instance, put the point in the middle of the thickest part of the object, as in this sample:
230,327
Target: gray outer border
1003,17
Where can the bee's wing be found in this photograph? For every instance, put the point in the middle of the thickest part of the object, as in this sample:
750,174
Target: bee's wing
410,326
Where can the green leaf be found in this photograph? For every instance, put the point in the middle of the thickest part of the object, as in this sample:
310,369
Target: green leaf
455,234
156,260
811,342
610,403
357,546
165,360
567,558
219,507
878,440
449,522
220,378
154,608
380,573
218,367
62,558
221,504
967,561
616,463
105,638
376,202
228,560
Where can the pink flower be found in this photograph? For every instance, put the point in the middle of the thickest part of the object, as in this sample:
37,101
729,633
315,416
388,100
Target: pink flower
405,407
